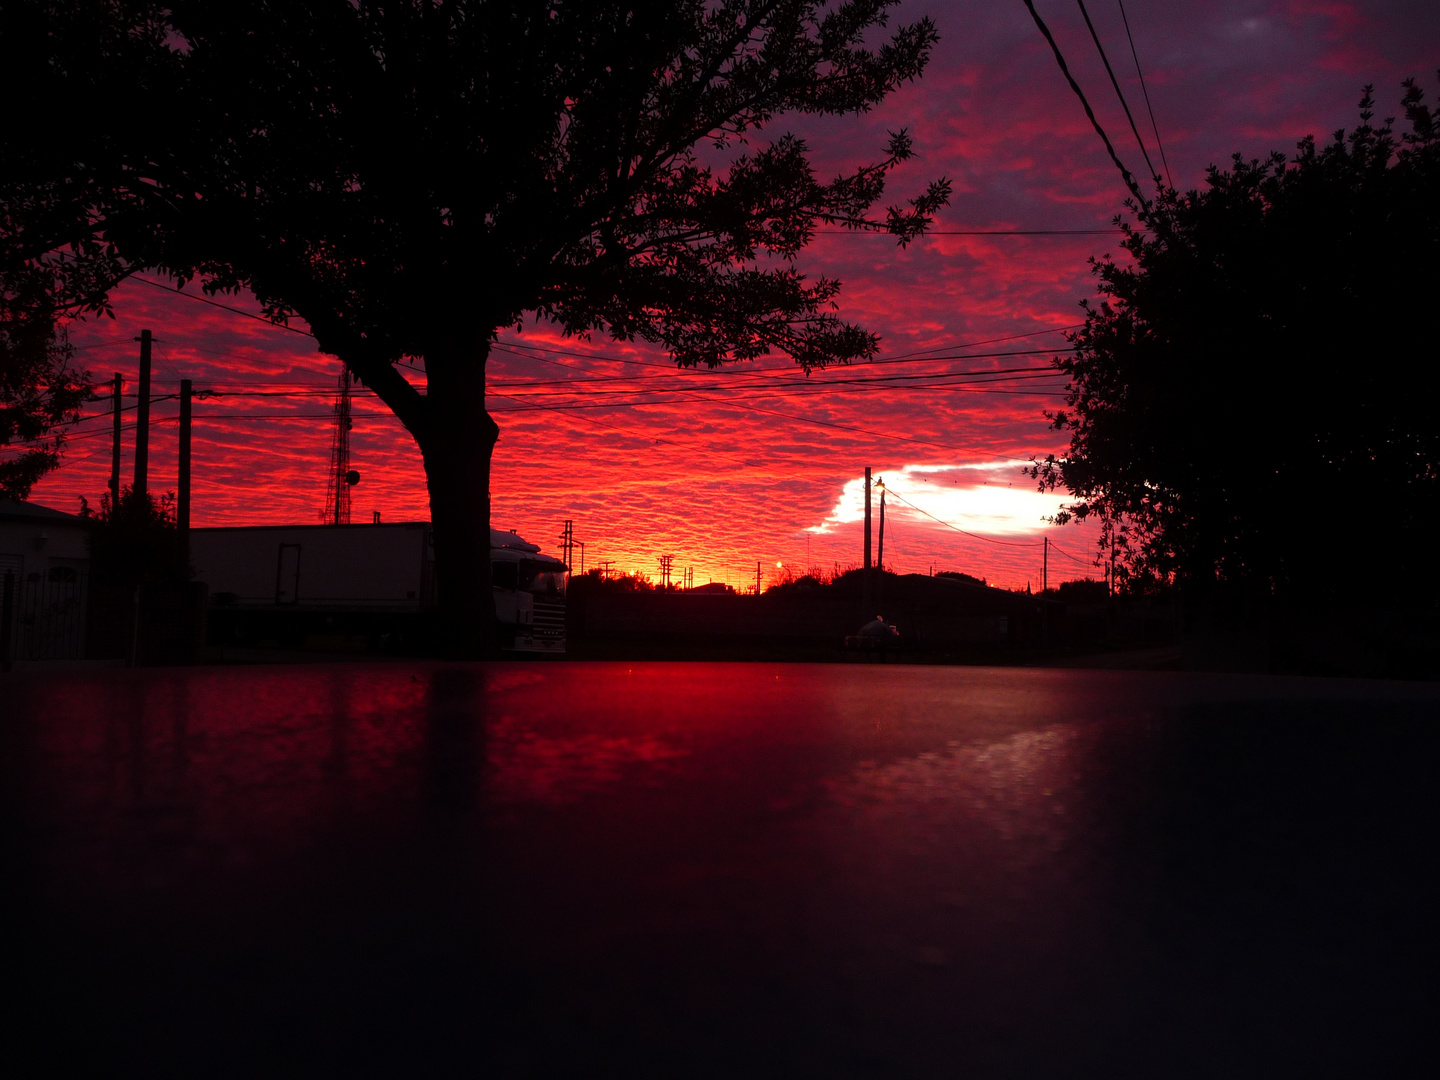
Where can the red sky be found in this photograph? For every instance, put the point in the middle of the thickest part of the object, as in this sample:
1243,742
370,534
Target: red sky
757,463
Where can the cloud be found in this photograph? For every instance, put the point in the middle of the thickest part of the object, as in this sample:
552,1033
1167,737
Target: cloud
724,470
991,498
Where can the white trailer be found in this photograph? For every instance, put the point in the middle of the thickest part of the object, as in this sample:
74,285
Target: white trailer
289,582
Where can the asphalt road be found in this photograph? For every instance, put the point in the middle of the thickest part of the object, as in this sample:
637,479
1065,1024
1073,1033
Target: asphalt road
717,870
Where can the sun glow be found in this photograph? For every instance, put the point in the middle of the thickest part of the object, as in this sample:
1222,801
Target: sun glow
993,497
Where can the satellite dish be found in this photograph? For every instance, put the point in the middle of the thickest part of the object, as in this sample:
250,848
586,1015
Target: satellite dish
352,478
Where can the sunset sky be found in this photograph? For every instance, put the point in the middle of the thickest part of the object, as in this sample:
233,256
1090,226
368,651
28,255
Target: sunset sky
757,463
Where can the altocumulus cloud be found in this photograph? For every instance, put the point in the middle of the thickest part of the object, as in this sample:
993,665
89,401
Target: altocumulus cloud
989,497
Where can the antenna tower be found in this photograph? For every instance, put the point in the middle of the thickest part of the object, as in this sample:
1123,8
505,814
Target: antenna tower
337,486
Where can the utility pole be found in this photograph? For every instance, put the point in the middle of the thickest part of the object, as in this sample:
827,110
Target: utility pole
757,577
880,552
865,572
1045,569
182,482
665,563
142,419
567,547
581,545
119,385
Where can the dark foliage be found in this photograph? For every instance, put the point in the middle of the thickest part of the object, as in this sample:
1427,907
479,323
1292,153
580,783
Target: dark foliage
135,541
411,177
956,575
39,392
596,581
1252,403
1082,591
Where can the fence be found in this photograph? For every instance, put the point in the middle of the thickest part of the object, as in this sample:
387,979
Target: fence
45,611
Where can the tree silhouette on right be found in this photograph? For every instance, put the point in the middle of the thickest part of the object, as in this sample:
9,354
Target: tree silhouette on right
1251,406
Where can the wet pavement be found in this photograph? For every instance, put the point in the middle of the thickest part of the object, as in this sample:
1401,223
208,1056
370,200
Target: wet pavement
718,870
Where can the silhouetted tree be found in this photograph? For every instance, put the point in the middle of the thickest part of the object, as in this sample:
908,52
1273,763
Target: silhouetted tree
136,540
598,581
39,392
409,177
1252,401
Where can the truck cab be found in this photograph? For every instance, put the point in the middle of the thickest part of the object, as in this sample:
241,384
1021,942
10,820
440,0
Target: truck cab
529,591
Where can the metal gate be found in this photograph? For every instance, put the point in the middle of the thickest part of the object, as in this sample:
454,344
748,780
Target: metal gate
50,612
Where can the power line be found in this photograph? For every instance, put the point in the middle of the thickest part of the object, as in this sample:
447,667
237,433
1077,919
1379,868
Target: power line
998,375
942,521
786,375
753,408
989,341
1075,86
1118,92
216,303
1056,547
976,232
1144,90
103,344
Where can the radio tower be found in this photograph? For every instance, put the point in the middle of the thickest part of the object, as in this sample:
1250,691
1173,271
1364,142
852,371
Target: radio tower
337,486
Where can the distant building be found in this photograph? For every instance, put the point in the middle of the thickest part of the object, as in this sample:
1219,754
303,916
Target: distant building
45,554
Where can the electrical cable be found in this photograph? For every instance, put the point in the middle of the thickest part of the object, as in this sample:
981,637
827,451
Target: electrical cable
1056,547
974,232
942,521
1075,86
1144,90
216,303
787,416
1095,36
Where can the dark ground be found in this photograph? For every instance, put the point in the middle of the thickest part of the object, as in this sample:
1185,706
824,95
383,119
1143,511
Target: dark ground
717,870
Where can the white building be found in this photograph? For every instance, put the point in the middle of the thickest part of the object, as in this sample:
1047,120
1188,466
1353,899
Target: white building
45,559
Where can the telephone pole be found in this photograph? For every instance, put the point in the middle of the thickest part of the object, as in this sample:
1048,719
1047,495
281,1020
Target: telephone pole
1045,569
567,546
865,572
119,385
665,563
142,418
182,482
880,553
757,577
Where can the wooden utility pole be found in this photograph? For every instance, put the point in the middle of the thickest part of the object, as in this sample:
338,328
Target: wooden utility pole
182,482
142,419
115,395
567,547
1045,569
880,554
880,549
865,573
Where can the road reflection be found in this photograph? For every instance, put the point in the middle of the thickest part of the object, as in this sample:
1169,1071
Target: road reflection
846,864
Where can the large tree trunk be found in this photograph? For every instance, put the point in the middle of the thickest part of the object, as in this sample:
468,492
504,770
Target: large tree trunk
456,442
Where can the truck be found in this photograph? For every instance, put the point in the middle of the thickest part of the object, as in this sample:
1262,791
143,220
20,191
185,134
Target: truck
287,584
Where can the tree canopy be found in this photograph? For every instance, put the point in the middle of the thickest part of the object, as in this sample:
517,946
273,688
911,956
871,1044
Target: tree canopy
410,177
1251,401
39,390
